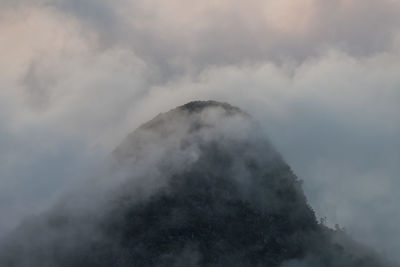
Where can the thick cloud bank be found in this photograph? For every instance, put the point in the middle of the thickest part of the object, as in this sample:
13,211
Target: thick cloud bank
321,76
202,186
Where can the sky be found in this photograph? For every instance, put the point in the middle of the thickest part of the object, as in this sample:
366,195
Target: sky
321,76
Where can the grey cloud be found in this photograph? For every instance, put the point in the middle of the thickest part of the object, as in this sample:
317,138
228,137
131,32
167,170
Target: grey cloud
37,83
328,122
333,116
232,33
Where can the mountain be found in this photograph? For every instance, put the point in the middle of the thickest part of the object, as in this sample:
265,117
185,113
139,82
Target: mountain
202,186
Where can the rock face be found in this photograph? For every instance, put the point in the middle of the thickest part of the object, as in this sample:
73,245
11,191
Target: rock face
203,187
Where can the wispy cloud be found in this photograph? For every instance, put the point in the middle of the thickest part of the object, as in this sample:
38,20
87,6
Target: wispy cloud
322,77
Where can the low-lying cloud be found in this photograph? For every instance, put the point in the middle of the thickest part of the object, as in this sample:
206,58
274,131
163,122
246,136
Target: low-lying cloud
321,76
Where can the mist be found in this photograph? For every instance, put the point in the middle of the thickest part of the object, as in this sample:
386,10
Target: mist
321,77
200,185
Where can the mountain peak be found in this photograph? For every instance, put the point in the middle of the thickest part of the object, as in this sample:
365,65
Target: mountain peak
202,186
196,106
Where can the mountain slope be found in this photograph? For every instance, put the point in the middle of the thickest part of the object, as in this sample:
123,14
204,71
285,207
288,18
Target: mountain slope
203,187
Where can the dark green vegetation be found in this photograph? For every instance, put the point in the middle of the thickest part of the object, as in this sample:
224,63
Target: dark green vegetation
204,188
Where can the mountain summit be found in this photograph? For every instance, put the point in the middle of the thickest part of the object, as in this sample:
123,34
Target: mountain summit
202,186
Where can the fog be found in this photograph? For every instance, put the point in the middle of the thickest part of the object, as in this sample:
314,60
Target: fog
200,185
321,77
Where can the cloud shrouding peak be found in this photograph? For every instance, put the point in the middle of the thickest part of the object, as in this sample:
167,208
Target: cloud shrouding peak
202,186
320,76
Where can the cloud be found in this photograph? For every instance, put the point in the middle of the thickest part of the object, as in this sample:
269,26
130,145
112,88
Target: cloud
203,165
321,76
179,34
335,121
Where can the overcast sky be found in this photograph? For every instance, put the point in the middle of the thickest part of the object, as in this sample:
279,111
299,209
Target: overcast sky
321,76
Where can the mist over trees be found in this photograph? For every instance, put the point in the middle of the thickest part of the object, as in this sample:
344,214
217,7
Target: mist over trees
200,185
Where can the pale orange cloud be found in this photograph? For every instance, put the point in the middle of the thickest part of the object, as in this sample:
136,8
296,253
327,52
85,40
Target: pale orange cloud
293,17
30,32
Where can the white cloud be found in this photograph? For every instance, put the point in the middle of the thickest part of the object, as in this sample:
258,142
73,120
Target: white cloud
77,76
